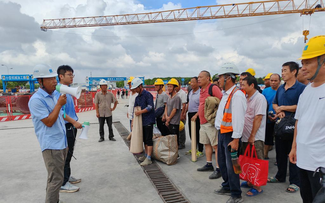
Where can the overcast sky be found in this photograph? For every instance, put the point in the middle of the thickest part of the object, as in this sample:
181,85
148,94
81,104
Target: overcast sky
150,50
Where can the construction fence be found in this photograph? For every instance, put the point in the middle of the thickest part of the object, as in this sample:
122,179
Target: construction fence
15,107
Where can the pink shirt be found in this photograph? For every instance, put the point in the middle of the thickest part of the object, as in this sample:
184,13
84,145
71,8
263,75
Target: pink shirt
203,95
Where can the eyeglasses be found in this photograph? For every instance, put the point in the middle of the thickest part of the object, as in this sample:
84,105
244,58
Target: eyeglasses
70,75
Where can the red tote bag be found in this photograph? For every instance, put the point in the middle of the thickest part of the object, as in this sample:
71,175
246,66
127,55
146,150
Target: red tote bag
254,170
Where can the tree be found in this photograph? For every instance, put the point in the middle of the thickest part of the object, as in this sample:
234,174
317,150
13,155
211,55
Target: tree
260,81
120,84
152,81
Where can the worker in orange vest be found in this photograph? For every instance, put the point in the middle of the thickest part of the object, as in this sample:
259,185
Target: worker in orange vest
230,124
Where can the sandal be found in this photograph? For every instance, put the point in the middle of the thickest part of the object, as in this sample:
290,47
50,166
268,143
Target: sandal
254,192
245,185
272,180
294,187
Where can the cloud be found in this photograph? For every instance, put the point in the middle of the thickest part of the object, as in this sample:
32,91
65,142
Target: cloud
150,50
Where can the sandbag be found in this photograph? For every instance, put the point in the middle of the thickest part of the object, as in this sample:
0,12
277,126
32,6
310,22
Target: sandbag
165,149
136,145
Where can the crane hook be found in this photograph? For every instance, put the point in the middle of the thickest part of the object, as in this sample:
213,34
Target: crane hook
305,33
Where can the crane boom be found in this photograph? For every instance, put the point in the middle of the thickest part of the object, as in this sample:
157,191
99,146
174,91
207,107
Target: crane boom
260,8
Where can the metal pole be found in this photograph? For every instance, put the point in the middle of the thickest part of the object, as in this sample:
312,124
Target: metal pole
7,68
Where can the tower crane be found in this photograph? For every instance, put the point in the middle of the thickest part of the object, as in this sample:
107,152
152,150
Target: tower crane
235,10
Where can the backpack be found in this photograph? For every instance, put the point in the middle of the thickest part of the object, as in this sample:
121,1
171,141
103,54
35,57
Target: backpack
210,90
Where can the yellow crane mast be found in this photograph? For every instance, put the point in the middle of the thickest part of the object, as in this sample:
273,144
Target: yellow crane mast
235,10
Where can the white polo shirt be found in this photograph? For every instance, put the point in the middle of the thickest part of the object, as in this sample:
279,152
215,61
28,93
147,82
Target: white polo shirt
311,128
256,105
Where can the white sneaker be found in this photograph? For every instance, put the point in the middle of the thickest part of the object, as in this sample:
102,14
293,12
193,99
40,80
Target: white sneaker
69,188
74,180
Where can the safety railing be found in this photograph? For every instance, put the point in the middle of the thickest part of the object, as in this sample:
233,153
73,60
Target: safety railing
16,107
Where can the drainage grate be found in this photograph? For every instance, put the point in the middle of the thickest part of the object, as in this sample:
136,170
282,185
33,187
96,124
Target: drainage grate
168,192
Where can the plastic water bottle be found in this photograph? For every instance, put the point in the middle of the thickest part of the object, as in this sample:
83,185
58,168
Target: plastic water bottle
320,196
235,162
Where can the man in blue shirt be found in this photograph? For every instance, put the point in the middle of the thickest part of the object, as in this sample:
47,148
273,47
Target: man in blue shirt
65,74
145,101
50,128
285,104
269,94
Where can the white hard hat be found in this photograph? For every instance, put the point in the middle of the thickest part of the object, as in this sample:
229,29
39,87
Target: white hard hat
43,71
228,68
136,82
102,82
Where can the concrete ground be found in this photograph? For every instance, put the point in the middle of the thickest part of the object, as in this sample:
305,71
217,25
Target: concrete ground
108,170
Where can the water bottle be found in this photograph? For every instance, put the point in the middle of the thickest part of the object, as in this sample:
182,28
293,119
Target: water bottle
234,160
320,196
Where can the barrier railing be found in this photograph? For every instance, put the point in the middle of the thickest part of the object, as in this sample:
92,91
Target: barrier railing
16,107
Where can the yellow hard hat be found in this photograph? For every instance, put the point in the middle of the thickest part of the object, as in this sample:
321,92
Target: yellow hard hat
130,79
251,71
159,82
268,76
181,126
315,47
173,81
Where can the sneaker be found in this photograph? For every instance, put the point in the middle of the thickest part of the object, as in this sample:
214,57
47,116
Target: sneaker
222,191
199,154
101,139
69,188
188,152
142,158
215,175
112,139
74,180
206,167
235,200
146,162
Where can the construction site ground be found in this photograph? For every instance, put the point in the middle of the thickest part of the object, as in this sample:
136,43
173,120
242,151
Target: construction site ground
109,172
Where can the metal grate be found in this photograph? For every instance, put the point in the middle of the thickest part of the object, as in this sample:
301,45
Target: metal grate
168,192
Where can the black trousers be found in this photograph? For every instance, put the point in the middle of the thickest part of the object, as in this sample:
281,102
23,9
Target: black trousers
162,127
109,121
174,130
309,185
197,123
71,138
283,148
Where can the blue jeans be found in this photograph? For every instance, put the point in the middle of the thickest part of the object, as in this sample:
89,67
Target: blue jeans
231,180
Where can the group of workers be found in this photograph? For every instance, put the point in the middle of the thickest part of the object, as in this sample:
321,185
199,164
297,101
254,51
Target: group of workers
229,117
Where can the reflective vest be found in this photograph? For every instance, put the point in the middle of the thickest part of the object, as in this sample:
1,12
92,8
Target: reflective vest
226,123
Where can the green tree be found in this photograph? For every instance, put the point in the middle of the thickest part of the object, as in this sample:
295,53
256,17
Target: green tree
120,84
260,81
